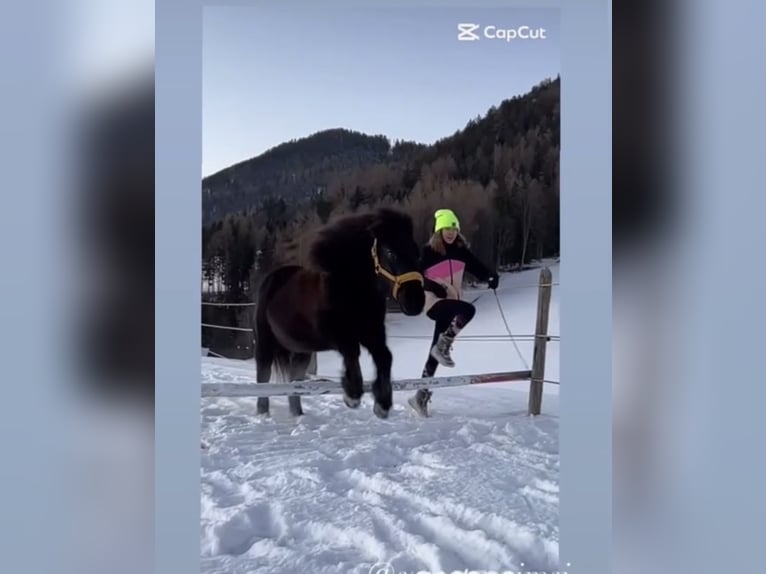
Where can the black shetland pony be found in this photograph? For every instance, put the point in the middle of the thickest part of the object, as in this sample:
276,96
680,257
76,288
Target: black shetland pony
339,305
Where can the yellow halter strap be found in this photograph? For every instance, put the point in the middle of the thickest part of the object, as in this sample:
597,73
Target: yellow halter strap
397,280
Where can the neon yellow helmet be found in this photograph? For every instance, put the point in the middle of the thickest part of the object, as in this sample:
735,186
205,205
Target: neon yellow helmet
446,219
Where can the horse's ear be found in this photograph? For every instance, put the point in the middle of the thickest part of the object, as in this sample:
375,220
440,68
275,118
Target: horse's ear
376,224
374,227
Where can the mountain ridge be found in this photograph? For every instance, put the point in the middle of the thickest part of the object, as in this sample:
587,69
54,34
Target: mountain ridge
298,169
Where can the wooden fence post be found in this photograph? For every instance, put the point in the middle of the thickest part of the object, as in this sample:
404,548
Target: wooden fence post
541,340
312,370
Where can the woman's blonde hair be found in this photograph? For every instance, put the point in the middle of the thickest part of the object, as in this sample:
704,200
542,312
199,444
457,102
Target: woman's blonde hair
437,242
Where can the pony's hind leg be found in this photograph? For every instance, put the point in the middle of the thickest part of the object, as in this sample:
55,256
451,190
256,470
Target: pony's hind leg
264,359
353,385
299,365
263,375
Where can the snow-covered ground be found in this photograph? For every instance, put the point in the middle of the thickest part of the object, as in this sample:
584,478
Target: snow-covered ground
475,486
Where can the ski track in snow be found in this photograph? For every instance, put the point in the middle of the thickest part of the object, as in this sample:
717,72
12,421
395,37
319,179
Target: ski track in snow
474,486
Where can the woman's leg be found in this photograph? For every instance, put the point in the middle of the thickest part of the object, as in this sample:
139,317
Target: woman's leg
419,401
453,317
449,316
442,316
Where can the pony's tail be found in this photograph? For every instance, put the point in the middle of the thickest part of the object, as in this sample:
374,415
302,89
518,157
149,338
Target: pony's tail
264,342
263,337
282,368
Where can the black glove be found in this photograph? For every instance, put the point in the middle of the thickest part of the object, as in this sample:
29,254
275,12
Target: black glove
439,290
436,288
493,281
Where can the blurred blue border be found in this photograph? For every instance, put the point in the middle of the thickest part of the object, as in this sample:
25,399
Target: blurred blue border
585,443
178,137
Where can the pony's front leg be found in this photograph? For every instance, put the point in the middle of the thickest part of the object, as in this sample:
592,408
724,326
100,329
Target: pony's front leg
381,388
353,385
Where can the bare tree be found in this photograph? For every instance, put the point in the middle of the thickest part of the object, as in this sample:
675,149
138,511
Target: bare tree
528,199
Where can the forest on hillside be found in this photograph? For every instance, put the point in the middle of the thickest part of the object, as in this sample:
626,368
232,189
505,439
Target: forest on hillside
500,173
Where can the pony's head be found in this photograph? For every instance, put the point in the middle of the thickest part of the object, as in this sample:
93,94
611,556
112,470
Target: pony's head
381,243
395,255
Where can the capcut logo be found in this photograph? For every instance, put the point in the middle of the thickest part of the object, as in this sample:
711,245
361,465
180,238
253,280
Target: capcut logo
467,32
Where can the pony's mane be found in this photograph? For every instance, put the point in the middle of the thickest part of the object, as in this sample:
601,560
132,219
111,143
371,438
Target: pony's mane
348,239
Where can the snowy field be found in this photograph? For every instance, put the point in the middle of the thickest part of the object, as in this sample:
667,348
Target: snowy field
475,486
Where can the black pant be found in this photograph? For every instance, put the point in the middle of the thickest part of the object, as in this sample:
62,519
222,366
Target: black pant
443,313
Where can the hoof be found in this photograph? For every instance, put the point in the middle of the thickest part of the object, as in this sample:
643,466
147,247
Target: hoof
352,403
380,412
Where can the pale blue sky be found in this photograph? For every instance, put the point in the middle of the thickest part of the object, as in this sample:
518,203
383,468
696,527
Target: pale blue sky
273,73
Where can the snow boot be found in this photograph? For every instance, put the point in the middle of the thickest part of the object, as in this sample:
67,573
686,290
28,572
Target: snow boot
419,402
441,350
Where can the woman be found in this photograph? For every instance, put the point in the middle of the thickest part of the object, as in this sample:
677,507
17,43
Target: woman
444,260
